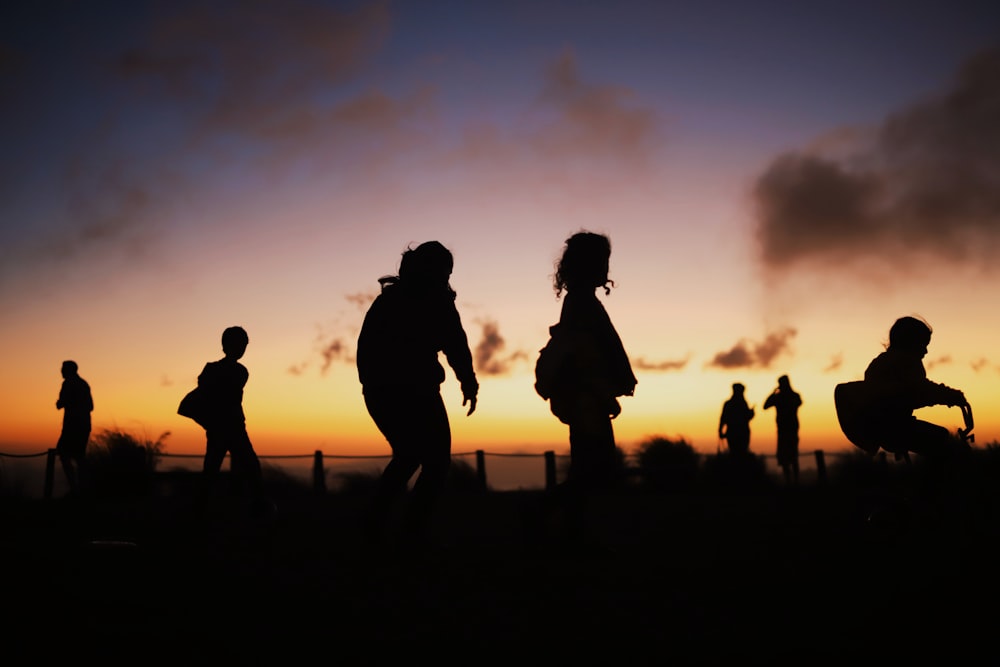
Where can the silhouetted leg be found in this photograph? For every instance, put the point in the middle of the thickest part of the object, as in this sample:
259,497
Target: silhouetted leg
946,453
71,449
593,467
70,471
435,462
215,453
408,421
246,463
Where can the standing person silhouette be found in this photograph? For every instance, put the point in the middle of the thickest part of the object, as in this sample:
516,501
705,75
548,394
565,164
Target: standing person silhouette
734,422
413,319
222,382
76,402
786,402
596,373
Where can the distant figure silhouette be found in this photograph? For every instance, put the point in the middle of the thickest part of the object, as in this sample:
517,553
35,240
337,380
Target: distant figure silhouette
408,324
786,402
895,385
225,430
734,423
76,402
594,373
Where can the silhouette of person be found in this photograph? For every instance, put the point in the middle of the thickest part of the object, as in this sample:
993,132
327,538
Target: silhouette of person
413,318
76,402
897,381
223,382
596,374
786,402
734,422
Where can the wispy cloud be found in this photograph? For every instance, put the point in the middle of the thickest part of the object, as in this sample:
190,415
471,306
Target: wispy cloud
661,366
836,362
489,353
749,354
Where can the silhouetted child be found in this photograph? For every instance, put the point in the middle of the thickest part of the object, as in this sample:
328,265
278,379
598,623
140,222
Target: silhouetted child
595,374
76,402
896,384
222,382
734,422
409,323
786,402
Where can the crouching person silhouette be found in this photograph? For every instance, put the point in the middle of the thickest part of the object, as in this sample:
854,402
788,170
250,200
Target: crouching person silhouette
413,319
877,413
222,383
897,382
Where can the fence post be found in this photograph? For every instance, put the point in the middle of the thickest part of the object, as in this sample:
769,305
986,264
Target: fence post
319,475
550,470
481,467
50,473
820,467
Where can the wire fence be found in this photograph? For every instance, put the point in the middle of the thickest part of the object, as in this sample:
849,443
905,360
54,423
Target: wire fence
35,475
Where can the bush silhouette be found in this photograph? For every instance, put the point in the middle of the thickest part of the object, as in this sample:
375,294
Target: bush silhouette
725,472
667,465
120,464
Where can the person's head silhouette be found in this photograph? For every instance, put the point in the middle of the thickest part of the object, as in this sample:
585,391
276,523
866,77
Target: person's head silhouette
69,369
429,264
911,335
425,268
234,342
584,263
738,389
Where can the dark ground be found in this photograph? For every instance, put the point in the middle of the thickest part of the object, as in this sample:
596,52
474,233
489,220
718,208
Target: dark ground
771,575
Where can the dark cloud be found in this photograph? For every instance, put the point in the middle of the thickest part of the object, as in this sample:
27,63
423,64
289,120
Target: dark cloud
488,352
747,354
980,364
673,365
926,184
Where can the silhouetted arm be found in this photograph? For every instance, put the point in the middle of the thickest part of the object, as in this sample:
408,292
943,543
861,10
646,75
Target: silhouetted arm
456,351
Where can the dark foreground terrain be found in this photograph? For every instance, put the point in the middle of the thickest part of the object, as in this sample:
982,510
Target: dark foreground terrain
769,575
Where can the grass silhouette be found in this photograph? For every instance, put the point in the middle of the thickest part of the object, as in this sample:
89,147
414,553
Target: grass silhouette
884,560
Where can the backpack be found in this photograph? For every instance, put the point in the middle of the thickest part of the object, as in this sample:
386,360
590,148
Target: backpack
195,405
856,409
553,370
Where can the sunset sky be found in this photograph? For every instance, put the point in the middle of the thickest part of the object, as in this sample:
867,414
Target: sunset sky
780,181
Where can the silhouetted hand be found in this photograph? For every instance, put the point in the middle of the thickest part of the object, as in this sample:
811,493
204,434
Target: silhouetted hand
469,392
